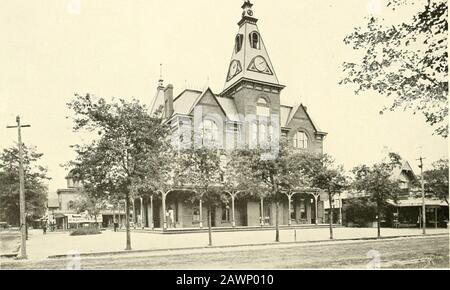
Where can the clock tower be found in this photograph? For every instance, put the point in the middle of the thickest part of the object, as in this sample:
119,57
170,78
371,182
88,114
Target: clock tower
251,77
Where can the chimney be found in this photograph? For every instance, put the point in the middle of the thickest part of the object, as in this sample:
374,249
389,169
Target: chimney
168,101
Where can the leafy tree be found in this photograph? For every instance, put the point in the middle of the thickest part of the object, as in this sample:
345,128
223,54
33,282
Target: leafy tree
35,177
436,179
378,183
239,180
275,174
203,173
90,205
407,62
327,176
128,144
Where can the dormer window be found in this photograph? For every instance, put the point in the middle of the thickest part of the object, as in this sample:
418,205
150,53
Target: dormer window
239,41
255,40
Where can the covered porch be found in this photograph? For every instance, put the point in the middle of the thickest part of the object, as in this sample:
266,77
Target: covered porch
173,210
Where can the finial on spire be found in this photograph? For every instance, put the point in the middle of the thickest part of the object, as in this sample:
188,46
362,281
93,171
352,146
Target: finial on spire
247,14
161,81
247,4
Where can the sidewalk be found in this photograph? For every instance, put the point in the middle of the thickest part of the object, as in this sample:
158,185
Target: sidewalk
41,246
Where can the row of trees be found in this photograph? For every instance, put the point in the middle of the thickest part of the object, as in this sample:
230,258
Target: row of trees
132,156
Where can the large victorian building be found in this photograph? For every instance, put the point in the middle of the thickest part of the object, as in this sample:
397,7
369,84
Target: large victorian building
247,111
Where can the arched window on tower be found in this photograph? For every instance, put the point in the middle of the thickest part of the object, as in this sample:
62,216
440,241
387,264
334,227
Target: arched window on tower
239,41
301,140
255,40
263,125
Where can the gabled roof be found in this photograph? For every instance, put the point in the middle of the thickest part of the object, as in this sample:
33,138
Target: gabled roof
158,101
406,168
288,113
285,112
229,106
185,101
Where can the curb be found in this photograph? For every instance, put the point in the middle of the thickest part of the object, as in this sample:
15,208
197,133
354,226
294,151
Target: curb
226,230
98,254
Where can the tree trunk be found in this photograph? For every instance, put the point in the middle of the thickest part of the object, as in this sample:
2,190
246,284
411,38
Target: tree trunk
127,221
209,226
330,219
277,228
378,220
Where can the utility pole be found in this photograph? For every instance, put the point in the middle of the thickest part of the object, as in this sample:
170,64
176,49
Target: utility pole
23,222
424,214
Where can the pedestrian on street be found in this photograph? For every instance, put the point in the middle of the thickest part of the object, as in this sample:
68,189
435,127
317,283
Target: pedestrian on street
44,227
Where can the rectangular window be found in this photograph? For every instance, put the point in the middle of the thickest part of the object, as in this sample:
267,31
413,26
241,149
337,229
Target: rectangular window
196,215
225,213
302,209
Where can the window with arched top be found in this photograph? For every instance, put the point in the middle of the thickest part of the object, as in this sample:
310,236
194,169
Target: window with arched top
301,140
262,108
239,41
255,40
209,132
262,129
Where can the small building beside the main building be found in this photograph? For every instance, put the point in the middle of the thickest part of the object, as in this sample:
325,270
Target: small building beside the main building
62,212
407,211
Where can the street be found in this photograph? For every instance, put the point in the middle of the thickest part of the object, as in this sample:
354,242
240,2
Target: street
410,252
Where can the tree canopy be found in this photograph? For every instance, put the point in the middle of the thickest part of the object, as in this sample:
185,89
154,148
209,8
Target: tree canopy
407,62
378,183
125,153
35,177
436,179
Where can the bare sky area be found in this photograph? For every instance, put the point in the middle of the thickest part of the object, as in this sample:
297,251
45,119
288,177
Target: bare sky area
50,49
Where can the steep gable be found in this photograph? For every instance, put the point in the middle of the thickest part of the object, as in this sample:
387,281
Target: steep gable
209,102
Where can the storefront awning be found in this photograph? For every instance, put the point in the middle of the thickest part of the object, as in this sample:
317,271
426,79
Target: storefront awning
413,202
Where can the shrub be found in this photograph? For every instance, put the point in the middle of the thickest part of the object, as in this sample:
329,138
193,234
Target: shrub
360,211
85,231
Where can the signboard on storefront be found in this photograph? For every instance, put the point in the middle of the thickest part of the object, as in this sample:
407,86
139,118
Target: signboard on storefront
83,218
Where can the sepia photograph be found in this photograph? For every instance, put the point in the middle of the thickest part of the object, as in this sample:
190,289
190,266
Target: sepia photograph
213,136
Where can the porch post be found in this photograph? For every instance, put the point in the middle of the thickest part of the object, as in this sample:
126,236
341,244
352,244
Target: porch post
262,212
164,210
114,215
340,209
134,213
142,213
118,205
435,218
233,221
316,209
201,214
152,223
289,209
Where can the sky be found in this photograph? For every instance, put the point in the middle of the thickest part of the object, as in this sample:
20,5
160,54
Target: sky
52,49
